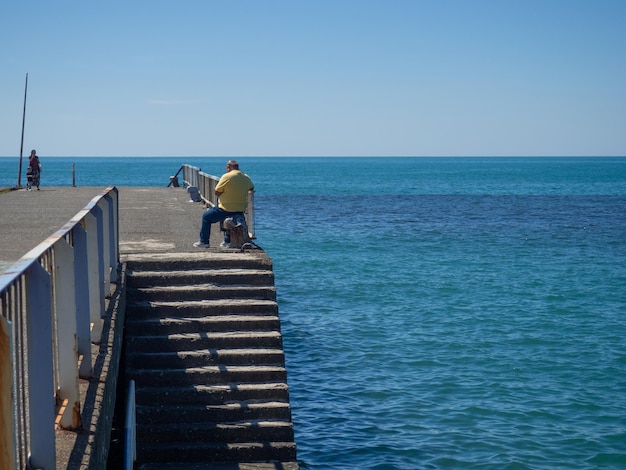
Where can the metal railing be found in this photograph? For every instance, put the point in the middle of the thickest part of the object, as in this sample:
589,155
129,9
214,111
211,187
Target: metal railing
130,429
194,176
52,304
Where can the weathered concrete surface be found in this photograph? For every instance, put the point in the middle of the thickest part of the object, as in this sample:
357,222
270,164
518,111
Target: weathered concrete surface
28,217
161,220
190,347
151,219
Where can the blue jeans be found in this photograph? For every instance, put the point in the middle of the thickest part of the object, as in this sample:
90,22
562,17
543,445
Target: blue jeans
211,216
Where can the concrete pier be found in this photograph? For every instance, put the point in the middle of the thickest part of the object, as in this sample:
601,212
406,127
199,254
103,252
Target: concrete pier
157,223
154,220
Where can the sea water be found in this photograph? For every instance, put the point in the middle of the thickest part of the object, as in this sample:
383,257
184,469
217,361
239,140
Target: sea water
437,313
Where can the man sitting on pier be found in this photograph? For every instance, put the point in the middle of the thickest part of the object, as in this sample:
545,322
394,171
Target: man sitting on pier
232,190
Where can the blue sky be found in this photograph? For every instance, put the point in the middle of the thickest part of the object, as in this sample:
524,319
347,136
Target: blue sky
318,77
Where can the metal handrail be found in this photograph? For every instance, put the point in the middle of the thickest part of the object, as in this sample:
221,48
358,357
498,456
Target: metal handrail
52,304
130,429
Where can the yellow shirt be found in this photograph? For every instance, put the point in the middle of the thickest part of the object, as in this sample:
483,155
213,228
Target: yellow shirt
233,188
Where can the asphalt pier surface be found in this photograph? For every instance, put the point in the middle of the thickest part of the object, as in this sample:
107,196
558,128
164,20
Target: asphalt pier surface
152,219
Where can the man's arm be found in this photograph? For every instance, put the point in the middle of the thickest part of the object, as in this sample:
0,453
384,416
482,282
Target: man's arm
219,188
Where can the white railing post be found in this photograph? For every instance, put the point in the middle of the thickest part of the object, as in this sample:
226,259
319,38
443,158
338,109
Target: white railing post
81,294
98,213
105,246
41,400
65,308
95,287
114,234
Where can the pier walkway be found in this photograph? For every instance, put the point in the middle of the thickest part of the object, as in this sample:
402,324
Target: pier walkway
151,219
157,228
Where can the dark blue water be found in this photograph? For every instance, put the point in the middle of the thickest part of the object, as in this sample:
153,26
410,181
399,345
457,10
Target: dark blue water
439,313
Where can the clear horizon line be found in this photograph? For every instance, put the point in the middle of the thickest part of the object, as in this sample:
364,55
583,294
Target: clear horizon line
321,156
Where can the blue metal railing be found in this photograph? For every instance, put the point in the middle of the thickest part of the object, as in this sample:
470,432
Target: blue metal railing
130,429
52,302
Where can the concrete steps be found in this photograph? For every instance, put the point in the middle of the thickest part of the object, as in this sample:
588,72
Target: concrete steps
203,344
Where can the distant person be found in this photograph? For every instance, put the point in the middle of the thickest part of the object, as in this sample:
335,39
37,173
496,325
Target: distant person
34,170
232,190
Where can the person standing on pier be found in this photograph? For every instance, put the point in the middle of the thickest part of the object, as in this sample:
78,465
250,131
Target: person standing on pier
34,170
232,190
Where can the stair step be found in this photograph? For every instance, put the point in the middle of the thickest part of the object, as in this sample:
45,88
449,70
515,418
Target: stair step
202,357
243,451
200,307
243,431
212,394
189,341
221,466
196,260
201,292
204,347
226,412
261,277
171,325
207,375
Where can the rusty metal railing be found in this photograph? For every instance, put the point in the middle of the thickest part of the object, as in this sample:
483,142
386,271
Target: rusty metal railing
52,304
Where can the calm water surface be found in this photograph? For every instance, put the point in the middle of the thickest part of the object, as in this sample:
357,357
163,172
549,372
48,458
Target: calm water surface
438,313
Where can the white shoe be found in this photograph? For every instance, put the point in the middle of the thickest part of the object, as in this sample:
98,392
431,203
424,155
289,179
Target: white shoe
225,245
201,245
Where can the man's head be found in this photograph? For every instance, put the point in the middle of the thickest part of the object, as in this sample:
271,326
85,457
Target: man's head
232,165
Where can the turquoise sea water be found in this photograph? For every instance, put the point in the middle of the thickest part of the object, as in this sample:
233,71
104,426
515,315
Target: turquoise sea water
455,313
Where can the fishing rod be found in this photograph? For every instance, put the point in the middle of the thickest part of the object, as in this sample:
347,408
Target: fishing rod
19,173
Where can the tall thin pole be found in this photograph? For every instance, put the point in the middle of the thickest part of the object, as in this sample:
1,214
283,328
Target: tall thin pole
19,173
